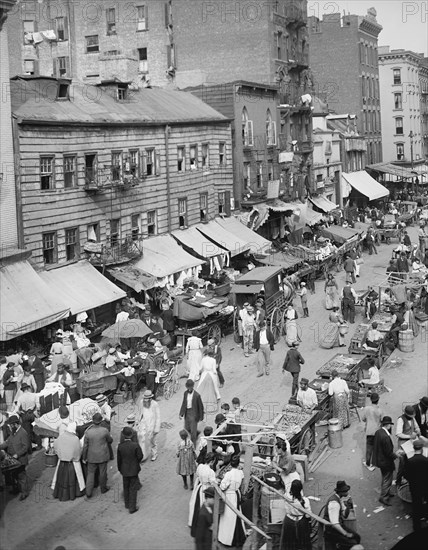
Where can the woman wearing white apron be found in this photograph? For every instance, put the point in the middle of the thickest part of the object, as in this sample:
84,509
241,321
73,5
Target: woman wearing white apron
194,356
231,530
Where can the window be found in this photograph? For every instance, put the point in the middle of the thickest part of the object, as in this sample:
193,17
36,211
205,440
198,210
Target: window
193,157
259,174
150,162
122,92
224,203
142,60
270,130
46,173
151,222
29,66
114,232
111,21
61,66
70,175
396,74
61,28
182,213
363,86
247,129
203,206
270,170
90,169
132,163
247,174
278,41
116,165
92,44
400,151
142,18
93,232
72,244
135,227
205,155
399,126
29,26
50,254
320,178
63,90
398,100
222,154
181,156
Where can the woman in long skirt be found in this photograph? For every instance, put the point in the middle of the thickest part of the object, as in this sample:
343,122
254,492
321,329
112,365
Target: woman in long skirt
331,293
231,528
205,476
194,356
334,331
56,352
68,482
339,392
291,328
296,527
208,387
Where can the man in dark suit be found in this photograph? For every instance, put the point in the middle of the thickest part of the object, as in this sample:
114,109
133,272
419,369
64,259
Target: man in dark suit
416,473
203,536
383,457
421,415
292,363
192,410
129,456
17,446
97,454
263,344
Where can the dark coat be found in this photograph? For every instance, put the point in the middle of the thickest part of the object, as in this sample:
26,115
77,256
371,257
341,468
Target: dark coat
293,360
96,445
416,473
418,418
269,337
18,444
203,536
133,438
197,406
129,456
349,265
167,317
383,451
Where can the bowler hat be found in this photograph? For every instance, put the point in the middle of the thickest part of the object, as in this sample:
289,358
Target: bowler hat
189,383
14,419
386,420
424,401
304,380
342,487
417,444
97,418
220,418
409,410
209,492
127,432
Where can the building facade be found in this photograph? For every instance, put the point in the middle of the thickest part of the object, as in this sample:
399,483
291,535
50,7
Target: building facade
344,60
403,90
100,169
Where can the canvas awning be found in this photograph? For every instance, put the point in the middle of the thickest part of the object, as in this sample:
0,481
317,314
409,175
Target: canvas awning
193,239
81,286
134,278
286,261
27,302
256,242
162,256
307,216
222,237
262,210
394,170
338,234
323,203
366,185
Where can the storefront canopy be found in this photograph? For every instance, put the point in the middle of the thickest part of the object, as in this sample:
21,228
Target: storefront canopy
193,239
222,237
286,261
81,286
262,209
256,242
394,170
323,203
339,234
306,215
134,278
366,185
162,256
27,302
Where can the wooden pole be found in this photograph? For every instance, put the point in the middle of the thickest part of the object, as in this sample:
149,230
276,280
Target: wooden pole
216,514
255,515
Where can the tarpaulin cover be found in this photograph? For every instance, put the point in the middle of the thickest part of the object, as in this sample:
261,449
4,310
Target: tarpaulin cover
246,289
286,261
366,185
256,242
323,203
134,278
338,234
81,286
185,310
222,237
388,168
192,238
307,216
27,302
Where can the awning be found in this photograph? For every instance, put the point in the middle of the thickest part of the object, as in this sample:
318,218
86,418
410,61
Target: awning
162,256
193,239
366,185
307,216
338,234
286,261
323,204
393,169
256,242
134,278
246,289
222,237
27,302
262,210
81,286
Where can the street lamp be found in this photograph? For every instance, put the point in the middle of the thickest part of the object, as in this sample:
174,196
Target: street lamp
411,159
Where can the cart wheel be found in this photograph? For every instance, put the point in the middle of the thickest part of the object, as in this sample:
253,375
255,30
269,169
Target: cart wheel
276,324
176,384
214,332
168,389
236,335
306,442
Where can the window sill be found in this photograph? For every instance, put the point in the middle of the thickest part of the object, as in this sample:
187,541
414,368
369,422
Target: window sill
141,30
90,53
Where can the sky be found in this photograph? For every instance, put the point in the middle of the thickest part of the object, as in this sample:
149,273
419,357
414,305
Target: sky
405,23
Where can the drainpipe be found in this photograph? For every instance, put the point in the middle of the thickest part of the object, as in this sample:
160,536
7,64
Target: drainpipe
168,186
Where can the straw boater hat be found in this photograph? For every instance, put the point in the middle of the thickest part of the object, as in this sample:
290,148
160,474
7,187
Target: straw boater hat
112,350
100,398
148,394
130,419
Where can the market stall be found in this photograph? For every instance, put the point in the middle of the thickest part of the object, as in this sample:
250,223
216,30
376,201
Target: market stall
346,365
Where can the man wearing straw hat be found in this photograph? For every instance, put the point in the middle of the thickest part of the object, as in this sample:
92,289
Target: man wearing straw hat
148,425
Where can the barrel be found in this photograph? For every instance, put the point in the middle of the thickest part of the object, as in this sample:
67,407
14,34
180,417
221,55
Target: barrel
335,433
406,341
51,460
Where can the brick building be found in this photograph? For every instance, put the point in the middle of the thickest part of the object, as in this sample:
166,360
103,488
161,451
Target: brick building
344,60
403,78
98,165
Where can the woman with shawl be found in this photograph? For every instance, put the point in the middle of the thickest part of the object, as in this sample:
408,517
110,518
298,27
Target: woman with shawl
68,482
335,331
331,293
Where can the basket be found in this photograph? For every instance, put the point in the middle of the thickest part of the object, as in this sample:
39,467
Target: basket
403,491
359,397
119,397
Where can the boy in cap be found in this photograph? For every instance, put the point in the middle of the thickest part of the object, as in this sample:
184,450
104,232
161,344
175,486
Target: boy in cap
303,293
105,408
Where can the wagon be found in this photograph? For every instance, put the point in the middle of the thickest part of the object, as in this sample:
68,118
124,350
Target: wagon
263,282
387,234
346,365
408,211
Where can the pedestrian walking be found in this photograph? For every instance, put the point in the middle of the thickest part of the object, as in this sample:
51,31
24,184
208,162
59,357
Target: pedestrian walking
416,473
96,453
205,477
355,257
370,240
194,349
292,363
148,425
296,527
186,465
192,410
248,327
218,356
263,344
383,457
349,299
303,293
331,293
349,267
17,445
339,391
203,531
68,481
129,457
336,511
371,416
292,334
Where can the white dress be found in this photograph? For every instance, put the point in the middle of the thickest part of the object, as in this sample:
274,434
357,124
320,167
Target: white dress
231,483
205,477
194,352
208,387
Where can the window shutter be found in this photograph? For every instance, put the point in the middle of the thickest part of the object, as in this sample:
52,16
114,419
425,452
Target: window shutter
227,202
66,28
36,68
157,162
168,57
67,67
166,14
250,141
147,17
143,163
55,67
273,130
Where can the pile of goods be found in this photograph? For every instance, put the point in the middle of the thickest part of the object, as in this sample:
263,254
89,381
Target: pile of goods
341,363
292,420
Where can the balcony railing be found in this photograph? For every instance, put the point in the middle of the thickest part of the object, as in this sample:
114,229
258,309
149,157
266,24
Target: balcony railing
101,179
123,251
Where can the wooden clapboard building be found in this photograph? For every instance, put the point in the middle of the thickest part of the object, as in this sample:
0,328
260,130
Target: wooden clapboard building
102,167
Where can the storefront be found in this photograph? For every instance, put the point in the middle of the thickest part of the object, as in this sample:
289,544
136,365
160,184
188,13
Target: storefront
364,188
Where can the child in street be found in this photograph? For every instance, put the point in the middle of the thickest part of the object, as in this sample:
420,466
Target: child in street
303,293
186,465
202,446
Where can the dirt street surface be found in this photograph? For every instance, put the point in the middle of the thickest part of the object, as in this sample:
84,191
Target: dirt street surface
42,523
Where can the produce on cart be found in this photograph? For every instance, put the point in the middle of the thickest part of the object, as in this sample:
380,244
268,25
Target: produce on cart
346,365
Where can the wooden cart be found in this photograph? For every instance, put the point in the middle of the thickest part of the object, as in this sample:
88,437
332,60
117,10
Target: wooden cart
346,365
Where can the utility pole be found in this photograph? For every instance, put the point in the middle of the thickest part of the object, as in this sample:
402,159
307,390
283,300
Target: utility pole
411,159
